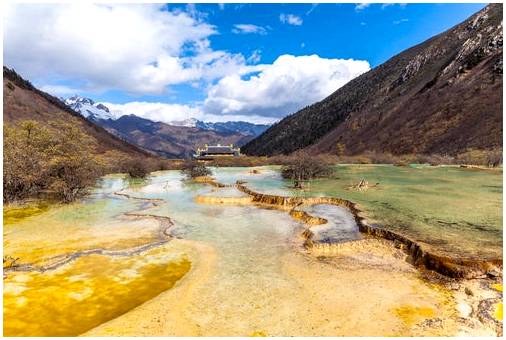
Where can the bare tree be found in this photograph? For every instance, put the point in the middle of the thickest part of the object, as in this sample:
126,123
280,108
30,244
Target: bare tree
303,167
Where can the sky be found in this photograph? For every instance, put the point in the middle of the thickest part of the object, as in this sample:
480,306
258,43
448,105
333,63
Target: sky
213,62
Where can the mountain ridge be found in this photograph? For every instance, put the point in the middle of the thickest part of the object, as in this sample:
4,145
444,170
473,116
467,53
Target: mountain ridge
23,101
395,108
168,140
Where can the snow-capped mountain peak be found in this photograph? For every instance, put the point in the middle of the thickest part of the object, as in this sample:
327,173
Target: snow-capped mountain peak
190,122
88,108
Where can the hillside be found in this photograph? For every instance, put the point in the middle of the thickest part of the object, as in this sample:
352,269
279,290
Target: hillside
441,96
22,101
169,140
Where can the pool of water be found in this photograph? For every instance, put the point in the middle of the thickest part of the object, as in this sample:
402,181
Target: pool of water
453,210
257,282
101,287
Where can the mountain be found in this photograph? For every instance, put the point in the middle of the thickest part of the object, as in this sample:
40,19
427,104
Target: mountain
234,126
88,108
441,96
176,140
190,122
169,140
225,127
22,101
96,111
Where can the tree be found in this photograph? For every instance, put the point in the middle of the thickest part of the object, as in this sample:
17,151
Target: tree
57,159
136,168
193,169
303,167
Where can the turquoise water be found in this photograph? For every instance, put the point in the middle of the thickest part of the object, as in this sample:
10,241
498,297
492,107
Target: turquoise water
253,245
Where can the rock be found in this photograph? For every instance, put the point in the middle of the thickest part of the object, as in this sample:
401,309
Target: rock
468,291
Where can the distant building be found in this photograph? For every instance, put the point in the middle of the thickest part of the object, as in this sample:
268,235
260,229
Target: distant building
212,151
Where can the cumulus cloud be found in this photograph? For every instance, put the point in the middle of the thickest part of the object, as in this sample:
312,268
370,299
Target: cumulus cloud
275,90
258,93
167,113
248,28
290,19
138,48
143,49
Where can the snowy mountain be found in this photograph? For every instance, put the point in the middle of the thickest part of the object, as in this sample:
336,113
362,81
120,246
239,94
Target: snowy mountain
190,122
98,113
224,127
88,108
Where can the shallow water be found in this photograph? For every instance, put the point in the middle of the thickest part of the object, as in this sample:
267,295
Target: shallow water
94,285
258,283
341,226
453,210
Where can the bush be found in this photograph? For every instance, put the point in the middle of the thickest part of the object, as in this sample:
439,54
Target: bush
57,160
193,169
303,167
494,158
137,168
491,158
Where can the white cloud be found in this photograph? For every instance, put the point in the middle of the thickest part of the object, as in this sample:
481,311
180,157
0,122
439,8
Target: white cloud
255,57
59,90
281,88
167,113
313,6
290,19
248,28
138,48
397,22
361,6
258,93
402,5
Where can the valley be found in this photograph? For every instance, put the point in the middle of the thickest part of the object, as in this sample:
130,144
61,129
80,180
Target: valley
250,170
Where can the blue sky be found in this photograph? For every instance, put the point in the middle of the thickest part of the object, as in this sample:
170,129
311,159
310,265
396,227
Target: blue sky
210,61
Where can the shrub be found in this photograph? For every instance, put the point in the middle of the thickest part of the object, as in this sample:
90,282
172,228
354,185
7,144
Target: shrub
481,157
303,167
137,168
494,158
381,157
193,169
57,159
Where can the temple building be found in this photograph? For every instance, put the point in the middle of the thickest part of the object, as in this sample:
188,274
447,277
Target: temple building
212,151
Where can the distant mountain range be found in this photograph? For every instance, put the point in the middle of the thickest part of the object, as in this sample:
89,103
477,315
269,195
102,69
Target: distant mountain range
441,96
175,140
